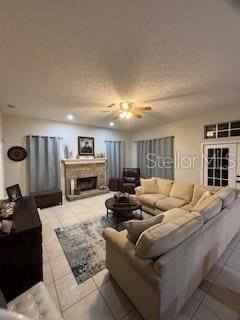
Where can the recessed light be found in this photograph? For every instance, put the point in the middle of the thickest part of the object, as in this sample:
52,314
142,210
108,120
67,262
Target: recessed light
111,124
70,116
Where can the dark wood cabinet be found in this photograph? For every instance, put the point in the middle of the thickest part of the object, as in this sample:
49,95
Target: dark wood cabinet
21,251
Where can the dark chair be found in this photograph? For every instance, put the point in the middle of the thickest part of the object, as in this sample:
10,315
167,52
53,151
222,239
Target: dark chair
130,180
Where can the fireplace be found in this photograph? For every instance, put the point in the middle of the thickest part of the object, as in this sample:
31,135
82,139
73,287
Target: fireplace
85,178
87,183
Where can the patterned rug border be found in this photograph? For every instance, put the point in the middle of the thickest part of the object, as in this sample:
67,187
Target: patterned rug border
84,246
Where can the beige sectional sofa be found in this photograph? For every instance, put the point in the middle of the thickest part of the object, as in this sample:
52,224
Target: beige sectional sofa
160,261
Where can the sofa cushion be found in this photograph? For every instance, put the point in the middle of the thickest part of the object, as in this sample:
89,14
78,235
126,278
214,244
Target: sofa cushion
136,227
162,237
198,191
182,190
164,186
150,199
204,196
188,207
209,208
227,194
170,203
149,185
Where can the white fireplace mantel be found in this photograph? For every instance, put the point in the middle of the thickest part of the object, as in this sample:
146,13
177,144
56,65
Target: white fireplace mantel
68,162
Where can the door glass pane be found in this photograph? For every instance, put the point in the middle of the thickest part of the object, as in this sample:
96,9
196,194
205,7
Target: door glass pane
210,162
217,182
210,173
217,152
225,152
210,182
210,153
217,173
225,174
225,183
217,163
224,163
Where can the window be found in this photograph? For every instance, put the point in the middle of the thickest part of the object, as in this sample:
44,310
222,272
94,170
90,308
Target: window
222,130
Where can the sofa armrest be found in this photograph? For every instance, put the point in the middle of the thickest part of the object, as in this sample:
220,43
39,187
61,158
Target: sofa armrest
126,249
139,190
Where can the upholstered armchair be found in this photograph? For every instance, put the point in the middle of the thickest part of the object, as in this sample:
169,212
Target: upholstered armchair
130,180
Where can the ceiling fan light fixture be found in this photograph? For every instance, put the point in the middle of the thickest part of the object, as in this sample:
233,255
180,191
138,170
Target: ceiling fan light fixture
125,106
126,115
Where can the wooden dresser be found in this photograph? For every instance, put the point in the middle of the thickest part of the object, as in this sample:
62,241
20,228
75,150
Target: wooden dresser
21,251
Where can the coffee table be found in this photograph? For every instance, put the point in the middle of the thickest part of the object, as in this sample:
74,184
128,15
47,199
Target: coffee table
123,211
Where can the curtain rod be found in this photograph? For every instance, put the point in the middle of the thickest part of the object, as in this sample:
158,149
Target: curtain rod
154,139
34,136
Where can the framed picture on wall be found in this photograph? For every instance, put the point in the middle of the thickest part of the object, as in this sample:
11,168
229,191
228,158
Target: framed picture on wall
85,146
14,193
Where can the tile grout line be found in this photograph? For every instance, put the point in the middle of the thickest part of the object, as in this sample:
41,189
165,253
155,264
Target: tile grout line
108,307
213,283
54,284
63,310
104,298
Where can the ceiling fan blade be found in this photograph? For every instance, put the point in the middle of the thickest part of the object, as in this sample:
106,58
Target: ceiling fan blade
143,108
111,105
137,115
116,117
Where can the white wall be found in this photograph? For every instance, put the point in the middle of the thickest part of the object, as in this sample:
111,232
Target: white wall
15,129
1,161
189,134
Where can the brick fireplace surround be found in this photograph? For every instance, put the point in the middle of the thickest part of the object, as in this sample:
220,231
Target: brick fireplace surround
84,168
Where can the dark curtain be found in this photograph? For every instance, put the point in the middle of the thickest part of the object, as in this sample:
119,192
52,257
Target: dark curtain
155,157
43,163
115,152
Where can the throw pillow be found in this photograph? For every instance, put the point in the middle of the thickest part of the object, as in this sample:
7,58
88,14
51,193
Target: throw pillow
136,227
149,185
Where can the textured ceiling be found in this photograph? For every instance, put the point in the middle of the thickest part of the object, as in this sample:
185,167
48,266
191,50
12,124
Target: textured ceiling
182,57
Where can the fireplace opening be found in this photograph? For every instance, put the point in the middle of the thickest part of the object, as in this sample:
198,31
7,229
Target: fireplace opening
87,183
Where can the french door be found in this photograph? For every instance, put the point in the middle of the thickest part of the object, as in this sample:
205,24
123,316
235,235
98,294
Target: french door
221,165
238,167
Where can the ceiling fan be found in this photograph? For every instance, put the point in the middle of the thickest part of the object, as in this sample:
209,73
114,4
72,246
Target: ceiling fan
126,110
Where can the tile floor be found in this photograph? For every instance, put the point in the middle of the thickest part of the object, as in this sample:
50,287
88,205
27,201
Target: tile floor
99,298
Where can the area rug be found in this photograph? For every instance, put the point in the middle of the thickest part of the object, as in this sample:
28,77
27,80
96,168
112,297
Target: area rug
84,246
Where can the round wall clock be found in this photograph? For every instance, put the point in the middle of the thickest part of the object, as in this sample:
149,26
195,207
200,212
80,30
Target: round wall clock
17,153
